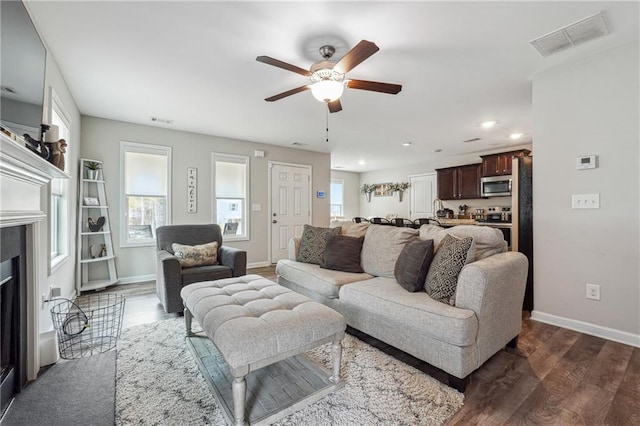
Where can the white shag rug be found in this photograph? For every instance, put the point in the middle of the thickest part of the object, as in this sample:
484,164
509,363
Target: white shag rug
158,383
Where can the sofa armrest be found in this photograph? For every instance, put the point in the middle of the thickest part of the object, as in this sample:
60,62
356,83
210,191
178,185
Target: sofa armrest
168,281
493,288
235,259
294,247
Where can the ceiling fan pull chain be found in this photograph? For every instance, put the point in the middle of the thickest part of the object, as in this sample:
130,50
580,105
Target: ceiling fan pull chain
326,111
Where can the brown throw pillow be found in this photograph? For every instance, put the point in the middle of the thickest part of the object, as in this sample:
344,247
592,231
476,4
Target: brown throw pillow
313,242
413,264
201,255
449,260
342,253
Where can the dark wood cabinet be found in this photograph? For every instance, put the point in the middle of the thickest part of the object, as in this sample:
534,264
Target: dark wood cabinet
500,164
459,183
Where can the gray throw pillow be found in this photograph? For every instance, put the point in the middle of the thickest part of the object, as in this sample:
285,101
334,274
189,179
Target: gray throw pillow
449,260
313,242
342,253
413,264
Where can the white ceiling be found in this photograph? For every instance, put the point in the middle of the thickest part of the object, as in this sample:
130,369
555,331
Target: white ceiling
194,62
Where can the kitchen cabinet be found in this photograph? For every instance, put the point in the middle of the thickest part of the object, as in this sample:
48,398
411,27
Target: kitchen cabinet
459,183
500,164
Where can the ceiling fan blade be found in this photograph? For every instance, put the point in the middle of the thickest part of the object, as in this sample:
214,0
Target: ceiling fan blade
287,93
375,86
355,56
285,66
335,106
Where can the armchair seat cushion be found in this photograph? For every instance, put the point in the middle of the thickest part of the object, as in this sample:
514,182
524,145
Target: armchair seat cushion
205,273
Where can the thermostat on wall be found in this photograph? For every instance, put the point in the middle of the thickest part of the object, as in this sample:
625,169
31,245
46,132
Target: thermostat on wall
320,194
586,162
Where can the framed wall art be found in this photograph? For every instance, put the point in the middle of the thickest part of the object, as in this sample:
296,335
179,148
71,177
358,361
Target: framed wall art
90,201
383,189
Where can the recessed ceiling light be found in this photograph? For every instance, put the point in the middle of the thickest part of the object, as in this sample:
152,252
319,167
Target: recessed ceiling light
488,124
338,167
361,162
516,136
406,144
437,150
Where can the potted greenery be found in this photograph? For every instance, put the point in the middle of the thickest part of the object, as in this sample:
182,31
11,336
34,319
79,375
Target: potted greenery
399,188
367,189
93,168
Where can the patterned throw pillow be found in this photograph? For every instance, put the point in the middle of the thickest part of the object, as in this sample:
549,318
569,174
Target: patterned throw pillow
313,242
449,260
202,255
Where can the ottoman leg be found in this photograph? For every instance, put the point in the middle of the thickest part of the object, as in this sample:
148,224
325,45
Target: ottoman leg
336,358
239,388
188,317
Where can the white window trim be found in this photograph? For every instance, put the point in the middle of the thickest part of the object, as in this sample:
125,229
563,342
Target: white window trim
214,205
338,181
55,262
144,148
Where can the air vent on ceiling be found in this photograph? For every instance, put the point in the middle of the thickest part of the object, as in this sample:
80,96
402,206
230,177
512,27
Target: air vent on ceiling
161,120
299,144
8,89
472,140
584,30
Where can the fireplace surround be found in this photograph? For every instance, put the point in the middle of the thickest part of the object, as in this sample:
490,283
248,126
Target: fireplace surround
23,194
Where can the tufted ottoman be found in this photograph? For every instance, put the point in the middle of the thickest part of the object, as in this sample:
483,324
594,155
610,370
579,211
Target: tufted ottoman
254,322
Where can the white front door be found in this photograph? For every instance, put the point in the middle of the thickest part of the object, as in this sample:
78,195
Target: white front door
290,206
423,192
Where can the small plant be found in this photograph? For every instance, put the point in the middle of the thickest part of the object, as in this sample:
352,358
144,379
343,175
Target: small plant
399,186
367,188
93,165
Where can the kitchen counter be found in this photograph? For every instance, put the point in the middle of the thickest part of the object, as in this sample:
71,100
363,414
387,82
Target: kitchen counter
455,222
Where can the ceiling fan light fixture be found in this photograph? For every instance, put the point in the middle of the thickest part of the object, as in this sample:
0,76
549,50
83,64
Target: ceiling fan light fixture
327,90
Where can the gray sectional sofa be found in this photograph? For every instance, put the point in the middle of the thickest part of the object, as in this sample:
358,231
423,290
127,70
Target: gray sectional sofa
487,311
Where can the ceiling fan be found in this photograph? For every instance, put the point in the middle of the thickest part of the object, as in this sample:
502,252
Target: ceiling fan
328,77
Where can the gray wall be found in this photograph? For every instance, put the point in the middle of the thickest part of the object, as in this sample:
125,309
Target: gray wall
351,206
101,141
584,108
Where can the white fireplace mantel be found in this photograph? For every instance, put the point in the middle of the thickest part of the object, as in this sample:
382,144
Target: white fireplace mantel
22,177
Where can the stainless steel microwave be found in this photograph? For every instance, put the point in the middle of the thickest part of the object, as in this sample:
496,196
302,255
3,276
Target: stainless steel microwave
495,186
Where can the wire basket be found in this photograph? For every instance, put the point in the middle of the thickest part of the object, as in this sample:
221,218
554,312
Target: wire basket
88,325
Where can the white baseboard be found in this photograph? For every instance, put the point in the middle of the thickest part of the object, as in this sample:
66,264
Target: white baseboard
258,264
48,348
588,328
137,279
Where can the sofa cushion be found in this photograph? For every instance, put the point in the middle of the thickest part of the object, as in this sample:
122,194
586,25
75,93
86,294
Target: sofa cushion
342,253
382,246
353,229
312,243
451,257
199,255
325,282
415,313
487,240
413,264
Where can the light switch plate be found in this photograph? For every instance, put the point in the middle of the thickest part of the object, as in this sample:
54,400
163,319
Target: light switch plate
256,207
585,201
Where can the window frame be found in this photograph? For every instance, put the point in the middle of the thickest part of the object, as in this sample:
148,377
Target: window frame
341,182
63,215
239,159
143,148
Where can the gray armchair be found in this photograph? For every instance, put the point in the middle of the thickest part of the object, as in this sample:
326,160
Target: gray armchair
171,277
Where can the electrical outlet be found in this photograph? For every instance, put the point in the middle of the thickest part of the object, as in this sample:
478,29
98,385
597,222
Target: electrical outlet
593,291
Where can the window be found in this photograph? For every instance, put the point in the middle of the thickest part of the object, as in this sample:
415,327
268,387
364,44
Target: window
145,185
230,178
59,205
337,197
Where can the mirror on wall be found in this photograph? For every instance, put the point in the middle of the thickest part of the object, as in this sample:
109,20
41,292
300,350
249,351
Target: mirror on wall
23,58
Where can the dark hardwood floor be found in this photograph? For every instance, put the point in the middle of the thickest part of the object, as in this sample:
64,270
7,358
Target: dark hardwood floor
555,376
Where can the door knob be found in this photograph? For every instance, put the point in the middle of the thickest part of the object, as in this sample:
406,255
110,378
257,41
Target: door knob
274,221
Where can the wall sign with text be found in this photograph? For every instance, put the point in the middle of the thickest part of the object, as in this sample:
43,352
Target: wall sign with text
192,190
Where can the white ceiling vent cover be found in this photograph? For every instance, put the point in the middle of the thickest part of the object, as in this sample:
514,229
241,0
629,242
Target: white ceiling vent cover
584,30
